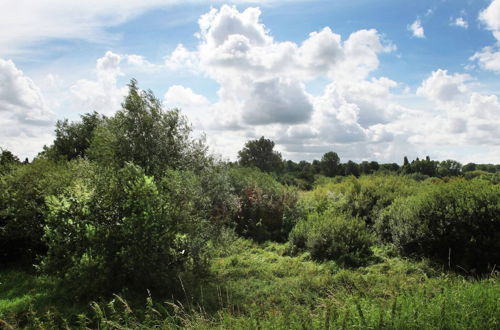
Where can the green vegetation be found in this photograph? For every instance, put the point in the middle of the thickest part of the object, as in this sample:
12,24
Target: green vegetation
126,222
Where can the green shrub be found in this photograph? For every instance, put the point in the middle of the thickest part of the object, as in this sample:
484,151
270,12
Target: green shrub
267,210
363,197
456,223
333,236
124,230
22,204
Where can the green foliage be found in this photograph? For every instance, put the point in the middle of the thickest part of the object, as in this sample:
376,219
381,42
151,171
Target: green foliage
363,197
145,134
7,161
268,210
455,223
257,286
22,204
332,236
122,230
73,138
330,164
259,153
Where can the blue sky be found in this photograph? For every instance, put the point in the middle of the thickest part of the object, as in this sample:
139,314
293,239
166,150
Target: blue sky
370,80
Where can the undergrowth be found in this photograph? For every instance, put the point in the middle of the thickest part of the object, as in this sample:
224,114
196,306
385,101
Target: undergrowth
256,286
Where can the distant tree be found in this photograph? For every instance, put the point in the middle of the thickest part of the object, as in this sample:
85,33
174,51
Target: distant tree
405,161
374,166
317,166
74,138
351,168
330,164
469,167
8,158
449,168
393,167
260,153
306,171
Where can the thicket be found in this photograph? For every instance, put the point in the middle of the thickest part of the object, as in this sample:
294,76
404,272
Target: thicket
455,223
333,236
267,209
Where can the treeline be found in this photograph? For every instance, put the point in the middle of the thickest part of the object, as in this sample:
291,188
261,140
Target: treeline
132,201
260,153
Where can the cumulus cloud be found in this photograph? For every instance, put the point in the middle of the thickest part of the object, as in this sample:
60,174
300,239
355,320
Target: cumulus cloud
261,79
102,94
182,58
262,85
277,101
491,18
417,29
20,97
443,87
24,113
469,117
195,106
180,96
489,57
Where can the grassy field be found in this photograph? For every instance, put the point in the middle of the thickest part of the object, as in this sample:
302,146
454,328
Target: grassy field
254,286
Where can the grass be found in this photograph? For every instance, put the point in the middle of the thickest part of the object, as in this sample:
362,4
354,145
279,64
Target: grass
255,286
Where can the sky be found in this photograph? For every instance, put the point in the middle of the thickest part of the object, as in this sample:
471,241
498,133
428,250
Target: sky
370,80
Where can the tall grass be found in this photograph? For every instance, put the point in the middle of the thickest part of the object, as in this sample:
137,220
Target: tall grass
260,287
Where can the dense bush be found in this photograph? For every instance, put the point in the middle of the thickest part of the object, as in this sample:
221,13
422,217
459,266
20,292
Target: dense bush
333,236
124,230
267,209
22,204
456,222
362,197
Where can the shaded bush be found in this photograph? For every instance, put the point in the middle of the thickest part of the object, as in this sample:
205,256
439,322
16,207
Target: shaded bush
123,230
22,204
457,222
267,210
333,236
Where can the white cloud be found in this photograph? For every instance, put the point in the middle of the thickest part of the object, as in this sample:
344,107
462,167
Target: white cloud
101,95
491,18
488,58
262,80
469,118
24,113
180,96
182,58
276,101
195,106
417,29
444,88
20,97
460,22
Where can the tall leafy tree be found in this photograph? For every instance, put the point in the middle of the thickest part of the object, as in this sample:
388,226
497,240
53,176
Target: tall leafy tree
261,154
330,164
146,134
